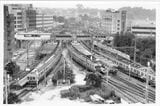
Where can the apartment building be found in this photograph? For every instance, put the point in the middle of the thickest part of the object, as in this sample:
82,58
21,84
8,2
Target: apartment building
44,21
114,21
24,16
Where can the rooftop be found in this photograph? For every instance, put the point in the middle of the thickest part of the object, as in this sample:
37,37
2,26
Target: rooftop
145,23
81,48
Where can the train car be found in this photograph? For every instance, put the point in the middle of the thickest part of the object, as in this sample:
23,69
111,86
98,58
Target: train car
43,68
114,51
135,69
87,61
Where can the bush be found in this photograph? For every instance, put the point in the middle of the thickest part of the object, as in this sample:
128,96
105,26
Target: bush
12,98
93,80
11,68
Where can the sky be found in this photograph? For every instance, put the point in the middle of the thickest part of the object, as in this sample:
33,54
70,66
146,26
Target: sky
94,4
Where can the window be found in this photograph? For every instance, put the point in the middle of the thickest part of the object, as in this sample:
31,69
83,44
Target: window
118,20
19,22
19,17
117,24
117,28
33,78
19,13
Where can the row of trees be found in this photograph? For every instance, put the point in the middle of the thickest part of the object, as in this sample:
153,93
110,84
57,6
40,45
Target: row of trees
145,46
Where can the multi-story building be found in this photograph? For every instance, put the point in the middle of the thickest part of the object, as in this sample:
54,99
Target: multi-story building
114,21
44,21
8,34
24,16
144,29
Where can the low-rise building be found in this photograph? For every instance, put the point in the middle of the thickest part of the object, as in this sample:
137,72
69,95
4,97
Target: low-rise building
144,29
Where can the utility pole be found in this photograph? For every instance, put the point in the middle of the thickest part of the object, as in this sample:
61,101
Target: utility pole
37,80
64,69
6,86
135,51
129,67
147,80
107,74
27,55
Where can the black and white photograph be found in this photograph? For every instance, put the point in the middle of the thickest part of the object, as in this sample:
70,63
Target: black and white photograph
79,52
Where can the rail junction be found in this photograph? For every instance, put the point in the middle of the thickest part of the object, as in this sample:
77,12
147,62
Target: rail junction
89,57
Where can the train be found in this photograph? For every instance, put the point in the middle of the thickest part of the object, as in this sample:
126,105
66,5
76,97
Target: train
90,62
43,68
114,51
137,70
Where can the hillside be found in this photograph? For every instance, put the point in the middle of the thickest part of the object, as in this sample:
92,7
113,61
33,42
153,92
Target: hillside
139,13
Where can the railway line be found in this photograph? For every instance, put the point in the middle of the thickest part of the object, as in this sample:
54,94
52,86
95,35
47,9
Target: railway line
134,69
133,89
23,76
133,92
25,91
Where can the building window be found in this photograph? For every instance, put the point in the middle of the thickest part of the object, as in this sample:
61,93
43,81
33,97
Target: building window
19,17
19,13
117,28
19,22
118,20
117,24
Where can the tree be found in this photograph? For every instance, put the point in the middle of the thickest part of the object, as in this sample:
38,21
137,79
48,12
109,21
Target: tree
40,56
11,68
54,80
93,79
123,39
12,98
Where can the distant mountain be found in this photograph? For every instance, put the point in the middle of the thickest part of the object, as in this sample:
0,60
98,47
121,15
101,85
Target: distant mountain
139,13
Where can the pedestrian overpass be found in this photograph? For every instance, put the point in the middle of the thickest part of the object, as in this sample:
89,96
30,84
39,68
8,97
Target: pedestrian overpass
60,37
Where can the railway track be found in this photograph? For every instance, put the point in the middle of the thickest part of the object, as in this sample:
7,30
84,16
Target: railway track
22,74
133,92
25,91
134,89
